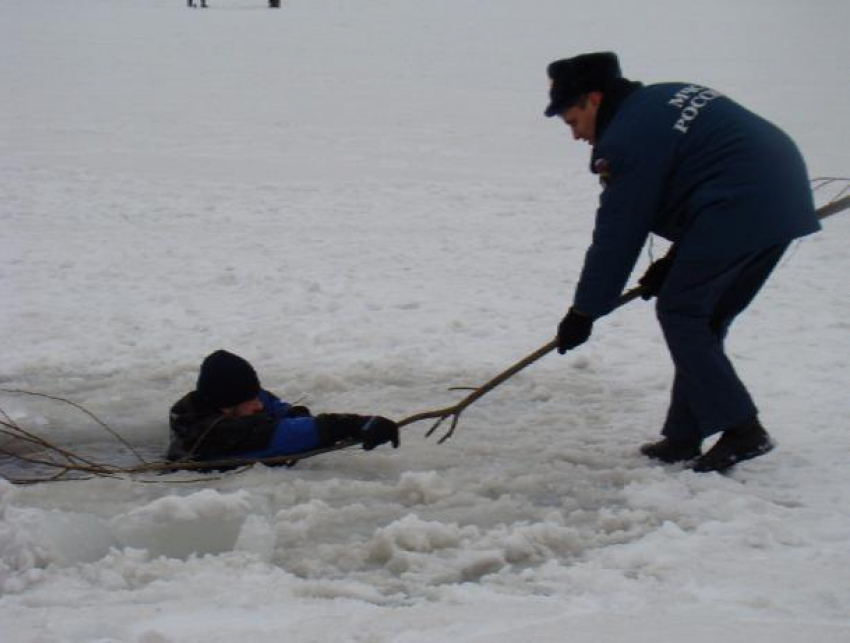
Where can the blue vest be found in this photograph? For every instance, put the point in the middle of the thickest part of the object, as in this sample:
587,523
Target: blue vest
689,164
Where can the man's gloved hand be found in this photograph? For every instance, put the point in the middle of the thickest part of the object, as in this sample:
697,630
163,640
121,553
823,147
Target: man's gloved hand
379,430
574,330
298,412
369,430
654,277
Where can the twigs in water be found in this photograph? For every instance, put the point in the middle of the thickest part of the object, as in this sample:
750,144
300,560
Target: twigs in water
100,422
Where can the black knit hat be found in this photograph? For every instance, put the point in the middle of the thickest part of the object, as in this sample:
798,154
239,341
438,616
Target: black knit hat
227,380
573,77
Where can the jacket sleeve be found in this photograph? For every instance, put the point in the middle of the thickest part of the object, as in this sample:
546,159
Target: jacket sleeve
291,435
298,434
333,427
624,218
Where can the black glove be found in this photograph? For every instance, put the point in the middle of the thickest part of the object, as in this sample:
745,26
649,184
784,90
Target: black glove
370,430
574,330
298,412
379,430
654,277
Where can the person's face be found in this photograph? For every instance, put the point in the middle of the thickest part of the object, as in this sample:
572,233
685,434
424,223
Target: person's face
581,117
244,409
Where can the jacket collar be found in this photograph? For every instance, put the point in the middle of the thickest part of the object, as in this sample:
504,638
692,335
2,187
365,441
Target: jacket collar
612,100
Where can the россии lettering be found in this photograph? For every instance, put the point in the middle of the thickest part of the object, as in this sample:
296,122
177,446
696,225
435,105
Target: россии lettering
690,100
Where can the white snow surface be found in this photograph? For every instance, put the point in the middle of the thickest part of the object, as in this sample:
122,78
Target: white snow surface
363,198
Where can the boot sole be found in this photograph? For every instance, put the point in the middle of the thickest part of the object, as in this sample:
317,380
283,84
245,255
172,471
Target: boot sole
647,451
731,461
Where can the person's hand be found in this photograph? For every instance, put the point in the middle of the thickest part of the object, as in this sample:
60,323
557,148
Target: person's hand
655,276
379,430
574,330
298,412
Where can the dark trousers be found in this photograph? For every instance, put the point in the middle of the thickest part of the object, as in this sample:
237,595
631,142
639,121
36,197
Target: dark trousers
696,306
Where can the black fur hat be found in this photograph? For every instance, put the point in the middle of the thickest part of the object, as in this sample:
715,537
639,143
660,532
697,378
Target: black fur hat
227,380
573,77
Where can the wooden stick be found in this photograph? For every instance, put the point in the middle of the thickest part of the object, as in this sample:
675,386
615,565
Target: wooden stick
455,410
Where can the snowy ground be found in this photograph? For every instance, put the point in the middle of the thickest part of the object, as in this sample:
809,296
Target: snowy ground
363,198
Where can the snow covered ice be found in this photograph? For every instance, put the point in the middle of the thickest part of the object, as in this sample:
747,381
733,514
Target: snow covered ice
363,198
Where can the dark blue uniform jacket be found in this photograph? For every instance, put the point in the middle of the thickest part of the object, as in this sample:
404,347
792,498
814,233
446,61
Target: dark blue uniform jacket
689,164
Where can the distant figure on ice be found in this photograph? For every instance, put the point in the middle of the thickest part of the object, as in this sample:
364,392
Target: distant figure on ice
203,4
729,189
229,415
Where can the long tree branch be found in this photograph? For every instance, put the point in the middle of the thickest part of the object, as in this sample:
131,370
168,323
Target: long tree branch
455,410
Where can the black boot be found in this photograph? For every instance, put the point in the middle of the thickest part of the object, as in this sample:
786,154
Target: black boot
743,442
671,451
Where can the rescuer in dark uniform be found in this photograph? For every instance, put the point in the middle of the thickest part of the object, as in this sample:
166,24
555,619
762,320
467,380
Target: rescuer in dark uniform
728,189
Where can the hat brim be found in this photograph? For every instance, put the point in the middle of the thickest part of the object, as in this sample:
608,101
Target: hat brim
563,102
